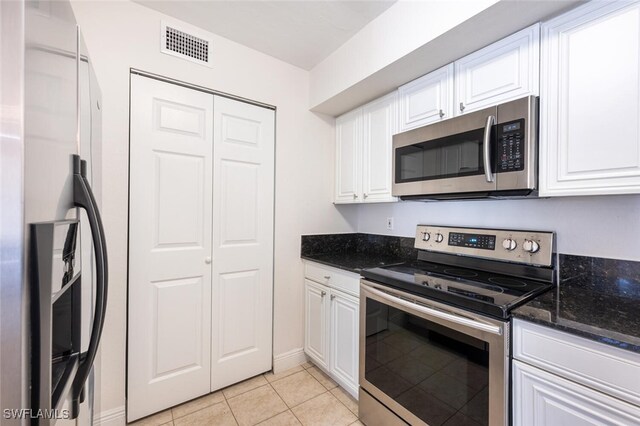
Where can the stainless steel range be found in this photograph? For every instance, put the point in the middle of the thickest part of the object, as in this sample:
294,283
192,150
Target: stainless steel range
434,333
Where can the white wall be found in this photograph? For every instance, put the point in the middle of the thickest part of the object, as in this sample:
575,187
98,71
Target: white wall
121,35
604,226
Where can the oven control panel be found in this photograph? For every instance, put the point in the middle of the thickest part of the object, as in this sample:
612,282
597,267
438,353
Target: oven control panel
529,247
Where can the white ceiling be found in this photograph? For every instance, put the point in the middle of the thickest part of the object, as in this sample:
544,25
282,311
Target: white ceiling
300,32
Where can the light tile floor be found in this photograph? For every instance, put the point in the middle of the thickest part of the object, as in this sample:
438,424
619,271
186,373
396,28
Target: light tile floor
303,395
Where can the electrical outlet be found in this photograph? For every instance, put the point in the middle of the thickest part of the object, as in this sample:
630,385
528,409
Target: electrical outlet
390,223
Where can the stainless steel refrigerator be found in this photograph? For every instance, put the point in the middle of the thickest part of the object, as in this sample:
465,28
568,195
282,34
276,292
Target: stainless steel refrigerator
53,262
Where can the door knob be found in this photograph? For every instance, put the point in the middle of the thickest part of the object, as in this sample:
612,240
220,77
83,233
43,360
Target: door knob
207,260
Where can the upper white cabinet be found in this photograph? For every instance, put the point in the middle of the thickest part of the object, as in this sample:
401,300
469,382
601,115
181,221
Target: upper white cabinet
380,121
502,71
364,152
349,157
427,99
590,101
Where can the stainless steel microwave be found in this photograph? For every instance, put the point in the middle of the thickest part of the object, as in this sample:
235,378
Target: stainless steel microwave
488,153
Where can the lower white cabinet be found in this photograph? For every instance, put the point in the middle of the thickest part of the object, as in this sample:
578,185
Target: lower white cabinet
561,379
316,311
344,338
332,324
544,399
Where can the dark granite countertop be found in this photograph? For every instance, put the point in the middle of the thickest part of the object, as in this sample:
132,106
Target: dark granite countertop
597,298
355,252
353,262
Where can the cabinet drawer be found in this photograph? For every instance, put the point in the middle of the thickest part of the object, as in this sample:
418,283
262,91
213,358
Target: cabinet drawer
607,369
346,281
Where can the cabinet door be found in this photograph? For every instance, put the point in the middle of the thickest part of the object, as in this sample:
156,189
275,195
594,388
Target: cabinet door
590,103
427,99
544,399
344,340
349,157
316,336
503,71
380,119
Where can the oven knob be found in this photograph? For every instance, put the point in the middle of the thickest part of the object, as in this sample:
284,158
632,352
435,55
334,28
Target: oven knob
530,246
425,236
439,237
509,244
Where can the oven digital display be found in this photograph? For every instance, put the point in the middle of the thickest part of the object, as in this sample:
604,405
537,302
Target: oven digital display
479,241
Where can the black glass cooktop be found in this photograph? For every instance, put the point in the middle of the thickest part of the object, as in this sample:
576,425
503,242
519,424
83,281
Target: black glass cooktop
484,292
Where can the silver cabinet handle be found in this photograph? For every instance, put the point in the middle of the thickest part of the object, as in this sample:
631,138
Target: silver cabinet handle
333,296
426,311
365,195
355,196
327,277
207,260
491,120
441,113
323,293
461,106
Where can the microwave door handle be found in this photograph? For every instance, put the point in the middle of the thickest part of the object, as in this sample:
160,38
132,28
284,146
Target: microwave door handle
468,322
83,198
491,121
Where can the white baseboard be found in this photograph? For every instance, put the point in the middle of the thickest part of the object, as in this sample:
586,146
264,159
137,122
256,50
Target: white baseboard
114,417
288,360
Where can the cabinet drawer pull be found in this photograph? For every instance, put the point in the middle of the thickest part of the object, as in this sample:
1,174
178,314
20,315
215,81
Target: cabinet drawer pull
461,106
355,196
327,277
441,113
323,293
333,296
365,195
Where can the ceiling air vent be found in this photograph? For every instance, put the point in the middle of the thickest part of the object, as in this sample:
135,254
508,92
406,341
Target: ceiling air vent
186,43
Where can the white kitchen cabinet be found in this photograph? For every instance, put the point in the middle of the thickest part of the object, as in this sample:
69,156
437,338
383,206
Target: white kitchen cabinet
364,152
380,121
503,71
562,379
427,99
590,101
344,339
544,399
316,338
349,157
332,323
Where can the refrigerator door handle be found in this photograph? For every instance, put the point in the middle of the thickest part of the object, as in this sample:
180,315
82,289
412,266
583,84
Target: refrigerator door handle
83,198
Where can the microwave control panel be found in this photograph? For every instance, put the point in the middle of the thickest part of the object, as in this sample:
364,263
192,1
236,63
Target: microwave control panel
510,146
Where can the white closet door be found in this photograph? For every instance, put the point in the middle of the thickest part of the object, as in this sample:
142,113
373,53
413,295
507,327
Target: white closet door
169,246
243,190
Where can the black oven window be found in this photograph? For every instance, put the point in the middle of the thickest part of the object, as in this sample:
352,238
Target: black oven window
453,156
439,375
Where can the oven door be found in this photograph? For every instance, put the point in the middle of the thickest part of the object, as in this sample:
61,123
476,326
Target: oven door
450,157
430,363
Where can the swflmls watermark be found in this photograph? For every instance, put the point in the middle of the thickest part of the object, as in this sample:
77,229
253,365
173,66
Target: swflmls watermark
28,413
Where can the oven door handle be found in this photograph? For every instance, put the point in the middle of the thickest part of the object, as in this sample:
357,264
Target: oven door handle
468,322
488,174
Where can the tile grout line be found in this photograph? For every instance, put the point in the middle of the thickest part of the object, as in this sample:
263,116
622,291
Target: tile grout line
226,401
349,409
